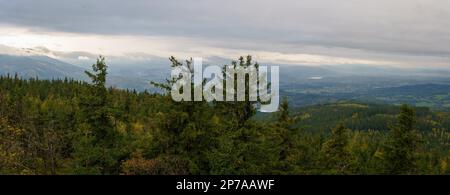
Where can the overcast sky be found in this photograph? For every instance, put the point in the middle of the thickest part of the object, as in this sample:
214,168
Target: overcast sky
374,32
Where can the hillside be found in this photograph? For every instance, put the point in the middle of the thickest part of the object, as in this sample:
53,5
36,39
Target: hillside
433,95
39,66
364,116
43,67
436,96
72,127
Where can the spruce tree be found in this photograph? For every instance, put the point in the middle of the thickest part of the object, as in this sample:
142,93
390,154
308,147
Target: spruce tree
288,149
97,147
284,125
335,150
400,150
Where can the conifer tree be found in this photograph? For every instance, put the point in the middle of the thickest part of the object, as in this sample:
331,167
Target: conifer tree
288,147
98,140
335,151
402,145
284,124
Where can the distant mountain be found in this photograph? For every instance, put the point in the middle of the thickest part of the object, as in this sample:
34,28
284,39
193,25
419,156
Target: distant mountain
304,85
42,67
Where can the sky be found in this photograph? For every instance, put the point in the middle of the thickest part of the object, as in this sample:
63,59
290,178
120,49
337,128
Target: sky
405,33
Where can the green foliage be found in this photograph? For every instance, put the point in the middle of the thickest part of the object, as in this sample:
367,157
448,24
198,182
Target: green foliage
335,151
72,127
401,149
97,146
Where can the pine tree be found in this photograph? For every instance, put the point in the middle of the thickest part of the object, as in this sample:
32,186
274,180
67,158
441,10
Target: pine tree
284,118
335,150
286,131
98,140
400,157
241,111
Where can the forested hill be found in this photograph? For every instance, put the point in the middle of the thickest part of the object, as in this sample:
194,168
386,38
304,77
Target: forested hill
72,127
364,116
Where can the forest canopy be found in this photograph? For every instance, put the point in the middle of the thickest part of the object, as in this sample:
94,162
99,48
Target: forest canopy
65,126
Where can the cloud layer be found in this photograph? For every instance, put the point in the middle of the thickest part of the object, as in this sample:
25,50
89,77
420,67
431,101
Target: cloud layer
352,31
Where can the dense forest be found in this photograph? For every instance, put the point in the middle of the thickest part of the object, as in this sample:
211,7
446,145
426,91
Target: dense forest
65,126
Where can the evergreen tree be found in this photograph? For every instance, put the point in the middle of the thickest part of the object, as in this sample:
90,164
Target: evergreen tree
335,150
97,147
400,157
241,111
288,135
72,127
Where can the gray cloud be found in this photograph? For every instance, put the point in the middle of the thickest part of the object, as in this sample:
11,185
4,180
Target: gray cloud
405,27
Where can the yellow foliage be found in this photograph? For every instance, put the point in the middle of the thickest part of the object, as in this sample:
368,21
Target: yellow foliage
305,116
137,127
378,154
352,105
215,120
443,166
121,127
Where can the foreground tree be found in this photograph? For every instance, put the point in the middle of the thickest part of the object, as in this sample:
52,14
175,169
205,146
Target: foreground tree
400,157
96,147
335,150
73,127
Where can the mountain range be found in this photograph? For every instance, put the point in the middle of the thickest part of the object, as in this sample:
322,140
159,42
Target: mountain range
39,66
